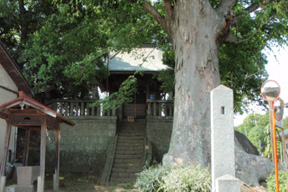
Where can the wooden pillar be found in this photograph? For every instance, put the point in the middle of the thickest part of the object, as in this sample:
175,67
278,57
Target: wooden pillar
3,164
147,92
7,140
57,160
26,147
40,186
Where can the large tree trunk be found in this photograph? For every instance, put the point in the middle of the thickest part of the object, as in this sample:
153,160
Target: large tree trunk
195,32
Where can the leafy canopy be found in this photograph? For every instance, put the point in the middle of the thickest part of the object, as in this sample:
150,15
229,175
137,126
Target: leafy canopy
255,127
67,42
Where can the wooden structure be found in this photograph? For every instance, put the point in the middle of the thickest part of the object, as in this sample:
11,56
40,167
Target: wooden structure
144,63
26,113
11,81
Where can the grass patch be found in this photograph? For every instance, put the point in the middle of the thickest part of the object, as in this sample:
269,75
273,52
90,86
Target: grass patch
72,181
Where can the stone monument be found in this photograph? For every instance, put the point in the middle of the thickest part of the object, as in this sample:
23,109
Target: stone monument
222,141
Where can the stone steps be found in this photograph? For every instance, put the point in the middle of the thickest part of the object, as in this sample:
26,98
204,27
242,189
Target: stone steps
129,154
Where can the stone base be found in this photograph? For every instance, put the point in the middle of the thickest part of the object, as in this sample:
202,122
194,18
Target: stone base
10,188
20,188
27,175
2,183
227,183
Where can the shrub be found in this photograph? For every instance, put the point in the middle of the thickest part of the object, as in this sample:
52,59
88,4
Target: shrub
174,179
283,182
188,178
150,179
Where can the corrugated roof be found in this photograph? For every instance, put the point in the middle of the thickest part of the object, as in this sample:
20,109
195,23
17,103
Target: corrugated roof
12,69
139,59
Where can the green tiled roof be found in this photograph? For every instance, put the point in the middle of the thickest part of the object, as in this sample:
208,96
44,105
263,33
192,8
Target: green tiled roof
143,59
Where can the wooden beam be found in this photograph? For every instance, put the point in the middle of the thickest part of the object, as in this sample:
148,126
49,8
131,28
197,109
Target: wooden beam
40,187
52,123
26,147
27,120
19,111
7,140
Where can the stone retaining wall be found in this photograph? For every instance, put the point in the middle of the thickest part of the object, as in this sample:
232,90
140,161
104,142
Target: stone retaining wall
83,148
159,130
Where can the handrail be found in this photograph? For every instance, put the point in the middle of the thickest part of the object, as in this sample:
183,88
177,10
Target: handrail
78,108
104,180
160,108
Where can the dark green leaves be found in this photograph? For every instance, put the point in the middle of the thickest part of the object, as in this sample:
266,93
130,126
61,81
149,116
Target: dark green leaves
124,95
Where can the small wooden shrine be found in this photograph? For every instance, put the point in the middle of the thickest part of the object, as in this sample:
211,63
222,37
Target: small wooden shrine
26,113
144,63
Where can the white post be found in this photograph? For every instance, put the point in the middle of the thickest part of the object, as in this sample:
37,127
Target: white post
2,183
222,133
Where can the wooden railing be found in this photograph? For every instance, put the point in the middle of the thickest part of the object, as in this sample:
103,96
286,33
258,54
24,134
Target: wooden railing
160,108
77,108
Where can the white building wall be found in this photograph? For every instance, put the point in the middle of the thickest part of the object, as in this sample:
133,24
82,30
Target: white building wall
6,96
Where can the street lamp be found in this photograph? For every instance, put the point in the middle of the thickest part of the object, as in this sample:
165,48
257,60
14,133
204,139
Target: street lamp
270,91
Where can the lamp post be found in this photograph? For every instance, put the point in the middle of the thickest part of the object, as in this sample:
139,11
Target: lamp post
270,91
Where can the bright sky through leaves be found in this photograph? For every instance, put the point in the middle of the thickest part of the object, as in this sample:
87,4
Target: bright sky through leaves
277,68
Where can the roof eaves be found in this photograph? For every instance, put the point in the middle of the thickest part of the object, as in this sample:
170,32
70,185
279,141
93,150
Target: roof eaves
14,72
23,99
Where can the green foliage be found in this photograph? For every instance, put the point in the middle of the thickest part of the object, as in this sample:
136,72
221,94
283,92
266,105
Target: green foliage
65,43
247,73
166,77
124,95
151,179
255,128
174,179
283,182
68,52
188,178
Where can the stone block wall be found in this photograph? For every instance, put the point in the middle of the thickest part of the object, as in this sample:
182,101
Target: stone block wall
83,148
159,130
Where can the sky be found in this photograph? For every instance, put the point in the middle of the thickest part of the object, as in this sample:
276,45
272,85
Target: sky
278,71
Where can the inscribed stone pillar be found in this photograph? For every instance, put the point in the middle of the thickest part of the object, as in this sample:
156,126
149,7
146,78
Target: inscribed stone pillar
222,133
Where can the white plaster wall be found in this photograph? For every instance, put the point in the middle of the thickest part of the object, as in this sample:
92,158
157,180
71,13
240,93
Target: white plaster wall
6,96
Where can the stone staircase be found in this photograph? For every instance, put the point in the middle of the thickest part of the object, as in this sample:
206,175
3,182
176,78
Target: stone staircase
129,153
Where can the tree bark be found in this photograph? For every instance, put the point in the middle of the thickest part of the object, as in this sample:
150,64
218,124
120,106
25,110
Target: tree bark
195,32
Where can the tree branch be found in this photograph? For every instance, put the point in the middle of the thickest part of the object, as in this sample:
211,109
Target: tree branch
252,7
157,16
225,6
253,35
232,39
168,9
